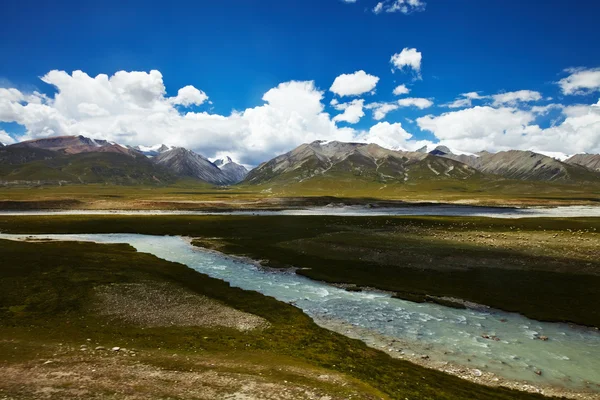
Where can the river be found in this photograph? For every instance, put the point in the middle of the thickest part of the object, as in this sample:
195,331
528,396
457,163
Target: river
568,359
357,211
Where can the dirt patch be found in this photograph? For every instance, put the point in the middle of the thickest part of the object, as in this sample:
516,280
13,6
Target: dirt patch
111,375
152,304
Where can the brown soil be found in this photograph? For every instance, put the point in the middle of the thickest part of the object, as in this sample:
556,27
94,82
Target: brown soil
153,304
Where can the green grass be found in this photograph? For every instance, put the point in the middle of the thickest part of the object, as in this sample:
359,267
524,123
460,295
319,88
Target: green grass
533,273
46,295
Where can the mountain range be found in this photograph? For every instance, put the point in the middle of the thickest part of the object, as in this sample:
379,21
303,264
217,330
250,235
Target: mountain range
372,162
78,159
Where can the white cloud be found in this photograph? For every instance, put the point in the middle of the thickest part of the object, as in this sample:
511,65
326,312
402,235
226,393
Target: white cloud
349,1
401,89
354,84
407,59
498,100
512,98
189,95
505,128
580,81
133,108
415,102
403,6
380,110
390,136
5,137
465,100
353,111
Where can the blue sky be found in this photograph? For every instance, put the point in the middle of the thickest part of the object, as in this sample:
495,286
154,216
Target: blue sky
235,51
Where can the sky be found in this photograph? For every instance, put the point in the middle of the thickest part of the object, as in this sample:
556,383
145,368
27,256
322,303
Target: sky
254,79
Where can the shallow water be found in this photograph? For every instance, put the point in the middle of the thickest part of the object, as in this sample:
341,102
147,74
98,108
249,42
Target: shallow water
357,211
570,358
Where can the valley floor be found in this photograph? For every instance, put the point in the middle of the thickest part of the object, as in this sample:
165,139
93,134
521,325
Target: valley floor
55,296
77,322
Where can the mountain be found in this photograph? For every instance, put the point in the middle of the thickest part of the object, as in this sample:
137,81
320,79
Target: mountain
520,165
152,151
234,172
77,159
357,161
75,145
82,168
186,163
589,161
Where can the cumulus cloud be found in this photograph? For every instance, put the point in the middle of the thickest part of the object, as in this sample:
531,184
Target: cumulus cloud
401,89
513,98
353,111
417,102
188,96
5,138
354,84
465,100
580,81
132,108
407,59
497,100
380,110
504,128
391,136
403,6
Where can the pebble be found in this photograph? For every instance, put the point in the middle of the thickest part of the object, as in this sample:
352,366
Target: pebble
477,372
100,348
116,349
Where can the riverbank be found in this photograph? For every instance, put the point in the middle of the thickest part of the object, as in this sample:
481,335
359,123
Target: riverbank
54,343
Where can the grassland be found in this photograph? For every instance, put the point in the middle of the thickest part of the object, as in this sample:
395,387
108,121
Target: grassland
547,269
51,327
191,195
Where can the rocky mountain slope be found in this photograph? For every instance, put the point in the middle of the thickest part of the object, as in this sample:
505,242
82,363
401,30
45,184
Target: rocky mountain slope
358,160
372,162
589,161
521,165
76,145
235,172
186,163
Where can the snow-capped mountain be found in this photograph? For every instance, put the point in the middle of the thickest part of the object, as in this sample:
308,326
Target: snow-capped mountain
184,162
234,172
153,151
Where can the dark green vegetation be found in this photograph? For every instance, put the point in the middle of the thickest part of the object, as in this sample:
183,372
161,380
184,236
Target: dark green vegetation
46,297
547,269
37,166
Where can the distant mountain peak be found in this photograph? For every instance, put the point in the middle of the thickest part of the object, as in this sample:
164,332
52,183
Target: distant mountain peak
223,161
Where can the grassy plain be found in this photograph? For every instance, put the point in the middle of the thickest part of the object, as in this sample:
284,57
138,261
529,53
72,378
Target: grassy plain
51,327
191,195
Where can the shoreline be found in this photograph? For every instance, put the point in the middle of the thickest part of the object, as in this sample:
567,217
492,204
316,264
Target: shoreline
424,356
406,210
